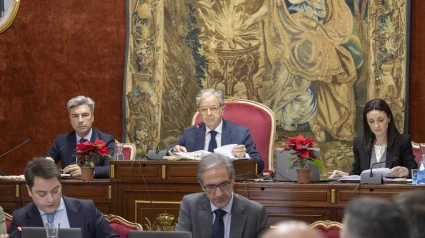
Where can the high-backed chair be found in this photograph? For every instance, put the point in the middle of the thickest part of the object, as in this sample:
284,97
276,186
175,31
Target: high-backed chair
8,219
330,229
128,150
121,226
258,118
416,151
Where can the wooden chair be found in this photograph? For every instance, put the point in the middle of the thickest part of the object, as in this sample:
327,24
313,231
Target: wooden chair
258,118
128,150
121,226
331,229
8,219
417,151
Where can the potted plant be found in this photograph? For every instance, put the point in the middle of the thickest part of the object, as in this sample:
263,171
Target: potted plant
87,154
302,152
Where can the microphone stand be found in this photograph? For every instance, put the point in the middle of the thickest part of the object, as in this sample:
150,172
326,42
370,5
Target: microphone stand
23,143
372,178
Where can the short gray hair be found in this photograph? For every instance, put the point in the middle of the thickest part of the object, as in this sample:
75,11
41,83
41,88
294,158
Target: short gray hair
80,100
214,160
207,92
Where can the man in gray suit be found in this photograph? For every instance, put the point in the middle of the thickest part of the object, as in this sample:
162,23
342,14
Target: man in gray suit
218,212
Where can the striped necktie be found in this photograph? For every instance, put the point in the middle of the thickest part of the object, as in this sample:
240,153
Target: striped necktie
50,217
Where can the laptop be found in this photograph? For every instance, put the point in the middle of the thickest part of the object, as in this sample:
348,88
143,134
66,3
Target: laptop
282,165
40,232
159,234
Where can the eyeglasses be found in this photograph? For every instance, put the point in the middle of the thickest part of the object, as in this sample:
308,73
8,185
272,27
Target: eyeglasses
223,186
212,109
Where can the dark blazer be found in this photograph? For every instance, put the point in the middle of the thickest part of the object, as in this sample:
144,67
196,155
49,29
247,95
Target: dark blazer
64,147
194,139
249,219
81,214
400,154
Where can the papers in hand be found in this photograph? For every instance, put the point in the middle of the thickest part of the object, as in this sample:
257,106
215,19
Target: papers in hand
383,171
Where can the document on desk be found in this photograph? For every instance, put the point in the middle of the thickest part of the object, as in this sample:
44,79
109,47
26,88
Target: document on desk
383,171
348,178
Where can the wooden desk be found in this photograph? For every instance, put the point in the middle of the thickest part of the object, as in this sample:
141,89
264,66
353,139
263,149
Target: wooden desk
140,202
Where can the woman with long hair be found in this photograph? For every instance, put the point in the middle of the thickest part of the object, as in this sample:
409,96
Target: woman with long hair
381,146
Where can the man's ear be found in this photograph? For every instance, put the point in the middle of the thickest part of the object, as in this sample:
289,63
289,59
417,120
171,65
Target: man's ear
29,190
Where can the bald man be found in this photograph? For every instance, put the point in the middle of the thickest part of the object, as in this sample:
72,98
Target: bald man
292,229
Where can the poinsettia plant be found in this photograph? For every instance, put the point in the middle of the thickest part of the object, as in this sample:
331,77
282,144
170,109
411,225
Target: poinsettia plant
88,153
302,151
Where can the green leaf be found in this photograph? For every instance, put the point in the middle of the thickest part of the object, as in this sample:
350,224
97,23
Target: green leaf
318,163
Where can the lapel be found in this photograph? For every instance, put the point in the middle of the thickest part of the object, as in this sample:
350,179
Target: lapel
33,218
238,220
94,135
205,215
72,142
199,137
75,217
226,132
392,155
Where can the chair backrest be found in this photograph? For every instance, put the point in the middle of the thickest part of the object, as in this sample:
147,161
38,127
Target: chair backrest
416,151
121,226
8,218
258,118
128,150
331,229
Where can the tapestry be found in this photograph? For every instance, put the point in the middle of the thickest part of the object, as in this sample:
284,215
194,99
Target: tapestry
315,63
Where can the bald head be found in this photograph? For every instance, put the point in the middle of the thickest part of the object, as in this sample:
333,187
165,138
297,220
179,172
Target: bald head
292,229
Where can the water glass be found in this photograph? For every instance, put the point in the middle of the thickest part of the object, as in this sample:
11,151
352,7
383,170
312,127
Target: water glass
414,173
118,152
52,230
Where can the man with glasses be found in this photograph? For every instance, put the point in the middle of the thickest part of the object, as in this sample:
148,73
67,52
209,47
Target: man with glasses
218,212
214,132
81,115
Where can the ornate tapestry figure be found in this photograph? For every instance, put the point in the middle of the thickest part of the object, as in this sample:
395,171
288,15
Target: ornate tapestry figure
313,73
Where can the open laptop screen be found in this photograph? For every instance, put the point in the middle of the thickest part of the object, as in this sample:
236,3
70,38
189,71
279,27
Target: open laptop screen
159,234
40,232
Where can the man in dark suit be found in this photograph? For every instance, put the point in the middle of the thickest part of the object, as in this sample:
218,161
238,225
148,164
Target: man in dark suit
230,214
214,132
49,206
81,111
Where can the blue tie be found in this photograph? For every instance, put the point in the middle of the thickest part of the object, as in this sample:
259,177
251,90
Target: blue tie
82,140
50,217
218,226
213,142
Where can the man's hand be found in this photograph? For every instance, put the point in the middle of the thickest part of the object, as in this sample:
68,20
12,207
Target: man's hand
4,236
50,158
399,171
239,151
73,169
337,174
179,148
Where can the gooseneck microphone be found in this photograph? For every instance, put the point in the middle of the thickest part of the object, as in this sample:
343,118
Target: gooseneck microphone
372,178
159,154
25,142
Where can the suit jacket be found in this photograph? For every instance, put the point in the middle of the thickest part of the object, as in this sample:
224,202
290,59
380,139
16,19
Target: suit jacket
81,214
194,139
400,154
64,147
249,219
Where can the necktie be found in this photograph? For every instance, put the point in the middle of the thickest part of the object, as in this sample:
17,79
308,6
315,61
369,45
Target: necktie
50,217
82,140
218,226
213,142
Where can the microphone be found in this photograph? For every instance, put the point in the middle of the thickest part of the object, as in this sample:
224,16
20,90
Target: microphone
25,142
159,154
372,178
